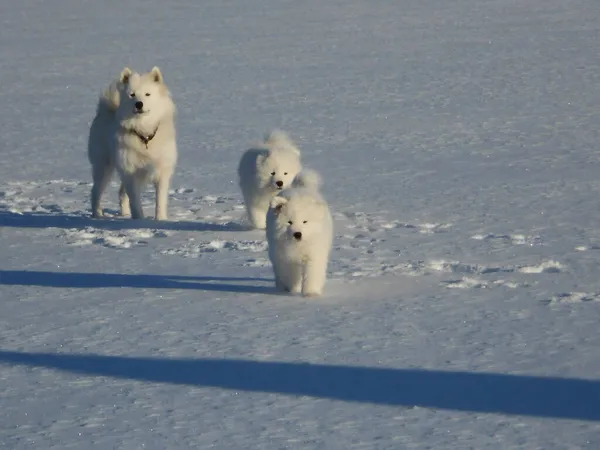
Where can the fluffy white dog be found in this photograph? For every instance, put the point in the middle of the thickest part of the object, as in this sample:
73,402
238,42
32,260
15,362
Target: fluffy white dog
134,132
264,170
300,234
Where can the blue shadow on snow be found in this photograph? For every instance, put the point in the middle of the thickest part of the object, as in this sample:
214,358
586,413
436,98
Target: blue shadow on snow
61,220
564,398
116,280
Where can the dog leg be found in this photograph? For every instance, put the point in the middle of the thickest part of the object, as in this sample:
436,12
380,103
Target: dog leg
288,276
101,174
315,273
295,278
258,217
124,201
133,187
162,197
249,207
279,285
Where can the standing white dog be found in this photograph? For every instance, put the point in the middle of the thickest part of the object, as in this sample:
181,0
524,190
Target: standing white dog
265,170
300,234
134,132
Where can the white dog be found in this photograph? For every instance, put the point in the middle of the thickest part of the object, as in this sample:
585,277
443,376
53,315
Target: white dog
300,234
134,132
265,170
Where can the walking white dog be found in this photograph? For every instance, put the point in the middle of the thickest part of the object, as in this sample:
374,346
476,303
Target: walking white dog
300,234
265,170
134,132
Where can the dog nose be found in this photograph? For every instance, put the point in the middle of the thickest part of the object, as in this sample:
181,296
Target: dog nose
139,105
298,235
279,183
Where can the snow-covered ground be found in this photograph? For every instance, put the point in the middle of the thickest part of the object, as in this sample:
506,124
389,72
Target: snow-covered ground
459,144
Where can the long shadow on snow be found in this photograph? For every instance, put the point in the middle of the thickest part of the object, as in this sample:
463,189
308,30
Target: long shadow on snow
45,220
565,398
103,280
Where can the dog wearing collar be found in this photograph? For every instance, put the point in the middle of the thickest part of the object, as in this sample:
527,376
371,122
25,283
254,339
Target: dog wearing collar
134,132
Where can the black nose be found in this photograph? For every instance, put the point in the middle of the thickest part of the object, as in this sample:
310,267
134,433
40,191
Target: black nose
139,105
279,183
298,235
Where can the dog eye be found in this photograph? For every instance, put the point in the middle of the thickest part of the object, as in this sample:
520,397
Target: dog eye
304,221
132,94
290,222
147,94
272,173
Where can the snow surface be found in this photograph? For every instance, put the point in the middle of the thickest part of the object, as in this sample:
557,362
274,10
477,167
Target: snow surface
458,141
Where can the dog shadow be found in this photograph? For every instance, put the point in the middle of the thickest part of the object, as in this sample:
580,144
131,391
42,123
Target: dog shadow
46,220
80,280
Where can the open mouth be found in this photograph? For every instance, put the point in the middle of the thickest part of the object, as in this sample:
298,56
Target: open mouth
140,111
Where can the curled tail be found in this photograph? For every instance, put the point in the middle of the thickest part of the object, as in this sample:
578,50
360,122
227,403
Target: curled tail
279,138
309,179
110,98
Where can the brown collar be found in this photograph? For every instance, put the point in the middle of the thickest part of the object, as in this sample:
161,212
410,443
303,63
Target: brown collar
144,139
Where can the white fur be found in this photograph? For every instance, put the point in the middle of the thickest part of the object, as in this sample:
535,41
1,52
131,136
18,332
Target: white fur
309,179
115,142
275,160
300,265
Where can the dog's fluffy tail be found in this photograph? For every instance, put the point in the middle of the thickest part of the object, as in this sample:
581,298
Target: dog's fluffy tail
309,179
110,99
279,138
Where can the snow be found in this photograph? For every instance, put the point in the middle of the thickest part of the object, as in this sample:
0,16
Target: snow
458,144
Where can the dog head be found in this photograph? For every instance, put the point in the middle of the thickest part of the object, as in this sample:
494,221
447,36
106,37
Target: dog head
144,97
298,217
276,169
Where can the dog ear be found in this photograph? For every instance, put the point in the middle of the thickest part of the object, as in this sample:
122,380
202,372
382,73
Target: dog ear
125,75
156,75
277,203
262,157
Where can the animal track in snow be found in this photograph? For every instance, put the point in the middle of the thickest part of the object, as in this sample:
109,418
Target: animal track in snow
205,207
62,207
473,272
369,247
193,249
366,245
513,239
374,223
458,267
585,248
575,297
40,198
549,266
476,283
428,228
543,267
111,239
257,262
